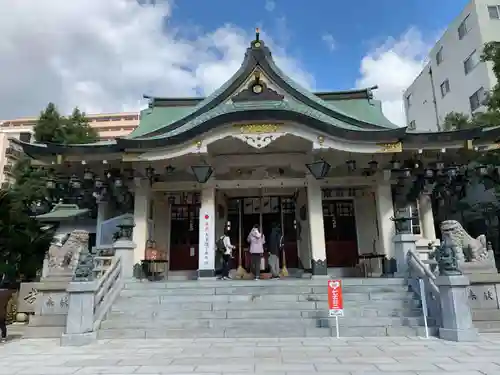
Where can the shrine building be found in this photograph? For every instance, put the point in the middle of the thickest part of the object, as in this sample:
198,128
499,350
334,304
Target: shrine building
327,166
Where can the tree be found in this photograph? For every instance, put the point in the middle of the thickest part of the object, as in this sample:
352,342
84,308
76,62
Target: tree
457,121
51,127
29,186
23,243
491,55
30,182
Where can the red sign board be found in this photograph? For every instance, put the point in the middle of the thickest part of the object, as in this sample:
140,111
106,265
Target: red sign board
335,299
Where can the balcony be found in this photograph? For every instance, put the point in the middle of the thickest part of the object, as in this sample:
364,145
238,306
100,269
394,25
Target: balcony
12,152
7,168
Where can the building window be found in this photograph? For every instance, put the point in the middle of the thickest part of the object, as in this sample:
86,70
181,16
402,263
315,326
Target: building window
439,56
494,12
445,88
476,100
408,100
463,29
412,125
471,62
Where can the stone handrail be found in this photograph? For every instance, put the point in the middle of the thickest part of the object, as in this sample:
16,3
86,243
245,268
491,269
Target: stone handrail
419,270
108,289
89,302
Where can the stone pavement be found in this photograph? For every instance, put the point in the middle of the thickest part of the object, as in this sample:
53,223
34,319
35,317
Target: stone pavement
255,356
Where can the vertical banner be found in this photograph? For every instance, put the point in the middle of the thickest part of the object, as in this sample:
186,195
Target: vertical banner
207,242
335,298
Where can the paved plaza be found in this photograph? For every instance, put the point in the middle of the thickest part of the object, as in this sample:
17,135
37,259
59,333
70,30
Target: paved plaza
254,356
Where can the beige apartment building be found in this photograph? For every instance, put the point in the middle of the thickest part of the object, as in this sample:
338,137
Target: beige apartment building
109,126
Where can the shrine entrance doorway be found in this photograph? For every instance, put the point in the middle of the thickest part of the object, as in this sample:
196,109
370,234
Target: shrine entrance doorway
340,233
245,212
184,227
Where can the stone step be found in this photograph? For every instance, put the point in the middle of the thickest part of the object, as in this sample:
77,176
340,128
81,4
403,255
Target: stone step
254,332
485,325
197,284
284,323
237,314
290,297
133,306
268,290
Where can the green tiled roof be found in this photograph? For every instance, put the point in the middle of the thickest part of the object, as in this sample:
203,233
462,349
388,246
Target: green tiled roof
368,110
152,119
62,212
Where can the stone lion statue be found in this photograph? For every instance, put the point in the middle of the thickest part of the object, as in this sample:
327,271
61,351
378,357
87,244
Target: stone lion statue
65,249
473,254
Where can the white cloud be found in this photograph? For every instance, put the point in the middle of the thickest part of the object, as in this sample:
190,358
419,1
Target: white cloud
270,5
103,55
330,42
393,66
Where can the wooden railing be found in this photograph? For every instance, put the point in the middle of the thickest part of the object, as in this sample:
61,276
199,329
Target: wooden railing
419,270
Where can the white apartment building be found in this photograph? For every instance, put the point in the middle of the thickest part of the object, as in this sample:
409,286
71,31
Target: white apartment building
108,125
454,79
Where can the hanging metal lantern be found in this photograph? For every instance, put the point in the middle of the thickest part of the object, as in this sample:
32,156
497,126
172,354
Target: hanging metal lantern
405,172
395,164
75,182
169,169
373,165
202,172
452,171
351,165
150,172
429,173
88,175
118,182
98,184
482,170
319,169
51,183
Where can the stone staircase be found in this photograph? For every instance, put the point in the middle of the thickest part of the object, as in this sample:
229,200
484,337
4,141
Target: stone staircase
264,308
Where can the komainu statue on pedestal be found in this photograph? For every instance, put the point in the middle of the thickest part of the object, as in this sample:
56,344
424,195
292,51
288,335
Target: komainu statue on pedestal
474,255
65,250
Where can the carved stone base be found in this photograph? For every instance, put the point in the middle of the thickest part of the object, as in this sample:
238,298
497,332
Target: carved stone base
319,267
484,266
203,274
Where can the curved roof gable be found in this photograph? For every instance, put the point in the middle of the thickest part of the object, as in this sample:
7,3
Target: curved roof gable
156,120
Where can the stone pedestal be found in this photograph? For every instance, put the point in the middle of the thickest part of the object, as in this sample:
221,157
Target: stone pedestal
52,300
456,313
403,243
484,299
124,249
51,308
79,328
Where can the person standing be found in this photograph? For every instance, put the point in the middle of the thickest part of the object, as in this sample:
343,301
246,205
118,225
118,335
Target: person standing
227,256
5,294
256,240
274,250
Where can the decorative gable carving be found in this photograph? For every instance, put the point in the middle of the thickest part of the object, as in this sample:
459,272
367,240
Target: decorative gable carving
257,90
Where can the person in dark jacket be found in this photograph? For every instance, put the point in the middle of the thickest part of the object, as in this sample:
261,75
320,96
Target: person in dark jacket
274,250
5,294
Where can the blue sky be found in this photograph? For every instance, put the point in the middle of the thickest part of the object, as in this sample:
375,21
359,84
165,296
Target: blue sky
356,26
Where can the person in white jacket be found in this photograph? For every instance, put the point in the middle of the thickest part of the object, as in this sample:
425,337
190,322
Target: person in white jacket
226,257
